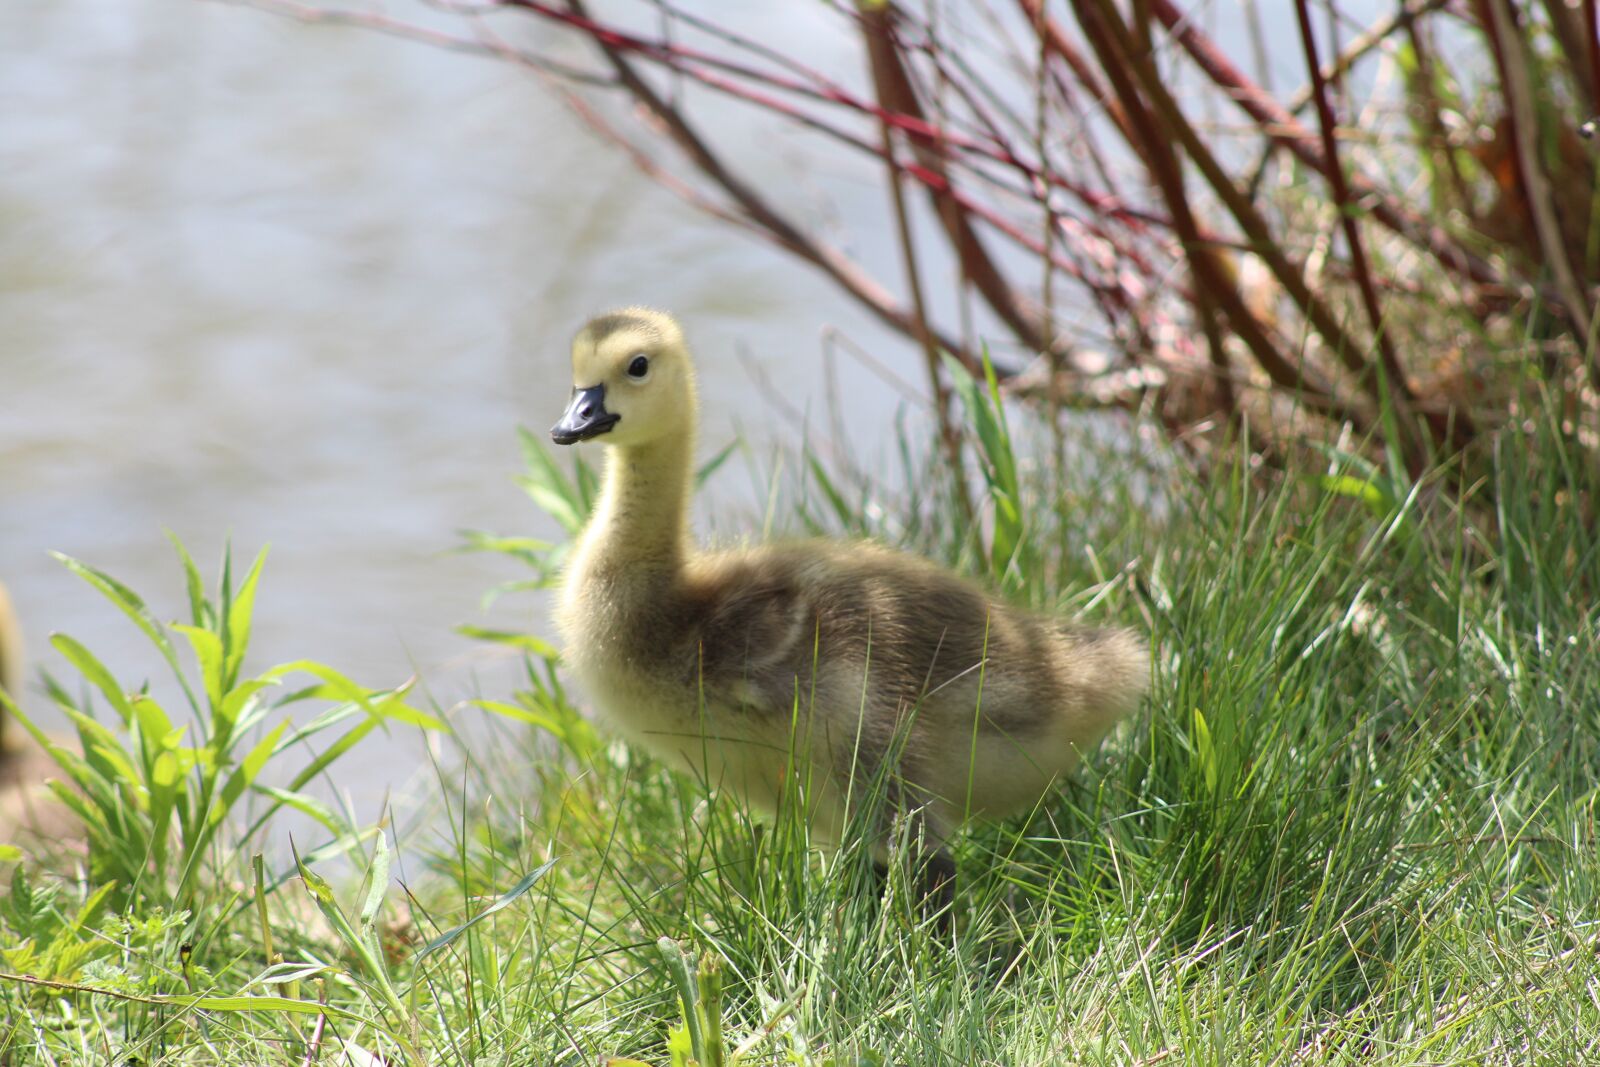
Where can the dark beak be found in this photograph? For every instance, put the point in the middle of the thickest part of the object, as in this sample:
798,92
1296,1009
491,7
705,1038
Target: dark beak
586,416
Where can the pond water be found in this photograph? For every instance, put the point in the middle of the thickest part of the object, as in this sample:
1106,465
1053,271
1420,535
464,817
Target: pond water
299,285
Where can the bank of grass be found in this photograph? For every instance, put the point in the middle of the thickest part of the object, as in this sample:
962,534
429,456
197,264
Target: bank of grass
1355,822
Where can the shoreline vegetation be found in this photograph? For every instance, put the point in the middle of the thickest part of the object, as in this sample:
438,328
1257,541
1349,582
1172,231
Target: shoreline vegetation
1355,819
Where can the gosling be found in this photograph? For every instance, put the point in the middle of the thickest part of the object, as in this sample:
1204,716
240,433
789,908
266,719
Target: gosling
836,665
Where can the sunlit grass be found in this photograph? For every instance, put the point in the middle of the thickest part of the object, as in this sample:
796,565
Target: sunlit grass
1354,823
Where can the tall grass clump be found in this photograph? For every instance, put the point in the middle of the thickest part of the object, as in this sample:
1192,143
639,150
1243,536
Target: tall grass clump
152,802
169,791
1354,822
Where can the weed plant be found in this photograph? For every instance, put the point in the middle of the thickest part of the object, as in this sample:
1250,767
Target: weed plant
1355,821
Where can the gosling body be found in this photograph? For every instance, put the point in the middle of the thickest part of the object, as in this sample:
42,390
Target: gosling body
830,664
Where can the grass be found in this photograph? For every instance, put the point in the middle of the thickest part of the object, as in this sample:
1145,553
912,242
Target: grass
1354,823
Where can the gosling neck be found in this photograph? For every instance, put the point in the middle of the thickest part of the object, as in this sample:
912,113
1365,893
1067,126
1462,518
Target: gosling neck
642,520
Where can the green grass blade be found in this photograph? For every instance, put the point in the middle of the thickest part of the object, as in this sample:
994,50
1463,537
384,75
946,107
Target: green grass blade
504,901
236,630
131,605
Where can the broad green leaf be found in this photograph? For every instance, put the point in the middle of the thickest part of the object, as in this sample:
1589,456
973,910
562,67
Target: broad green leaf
335,685
199,609
317,885
712,465
155,725
329,718
95,673
344,744
240,613
479,541
208,652
322,895
562,499
554,504
526,642
680,1046
89,911
1359,488
235,702
1206,751
132,606
400,711
69,761
345,843
162,801
380,882
245,774
541,719
338,687
574,733
306,805
576,494
284,973
104,753
165,772
263,1003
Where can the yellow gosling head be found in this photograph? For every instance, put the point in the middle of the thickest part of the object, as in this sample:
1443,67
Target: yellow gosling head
632,381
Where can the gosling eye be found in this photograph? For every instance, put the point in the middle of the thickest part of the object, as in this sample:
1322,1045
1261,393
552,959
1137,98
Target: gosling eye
639,368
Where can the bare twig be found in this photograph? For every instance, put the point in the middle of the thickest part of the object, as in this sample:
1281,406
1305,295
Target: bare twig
1591,34
832,336
1366,42
1515,82
1047,287
1432,108
393,27
896,95
1258,236
1094,16
1399,390
948,435
1081,68
752,205
314,1046
1010,186
1281,126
